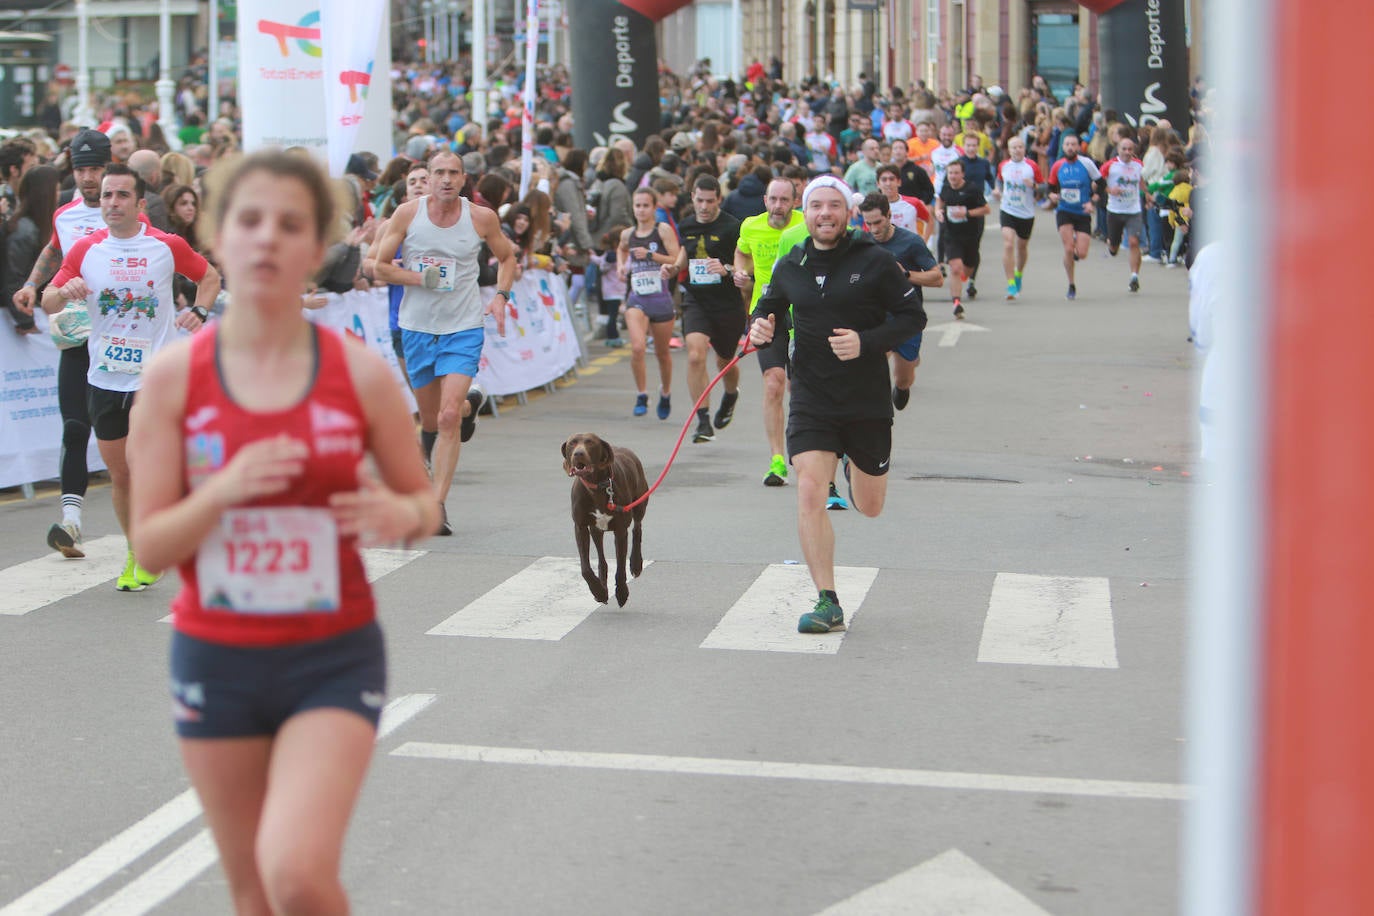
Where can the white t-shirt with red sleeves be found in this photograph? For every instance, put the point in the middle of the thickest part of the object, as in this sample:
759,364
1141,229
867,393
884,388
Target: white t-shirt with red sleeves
74,221
132,305
1018,181
1123,185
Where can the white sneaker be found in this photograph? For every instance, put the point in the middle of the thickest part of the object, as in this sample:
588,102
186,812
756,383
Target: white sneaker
1151,258
65,538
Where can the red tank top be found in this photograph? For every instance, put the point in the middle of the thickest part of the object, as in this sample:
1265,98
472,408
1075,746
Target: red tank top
275,571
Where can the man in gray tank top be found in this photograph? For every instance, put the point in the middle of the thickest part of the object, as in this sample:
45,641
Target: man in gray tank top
440,236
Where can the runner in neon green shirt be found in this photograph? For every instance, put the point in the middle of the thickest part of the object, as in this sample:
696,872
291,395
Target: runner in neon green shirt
755,256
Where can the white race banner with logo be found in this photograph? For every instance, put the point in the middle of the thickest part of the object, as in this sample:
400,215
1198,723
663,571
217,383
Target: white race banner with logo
282,79
30,422
349,30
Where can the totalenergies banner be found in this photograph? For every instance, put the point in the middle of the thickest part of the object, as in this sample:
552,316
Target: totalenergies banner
1143,50
615,94
348,31
283,79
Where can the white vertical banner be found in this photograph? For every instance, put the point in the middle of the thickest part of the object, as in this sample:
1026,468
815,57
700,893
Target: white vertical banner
531,94
281,86
348,34
281,74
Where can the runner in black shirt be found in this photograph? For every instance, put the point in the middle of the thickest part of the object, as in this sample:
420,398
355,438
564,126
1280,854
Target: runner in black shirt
960,208
713,312
841,288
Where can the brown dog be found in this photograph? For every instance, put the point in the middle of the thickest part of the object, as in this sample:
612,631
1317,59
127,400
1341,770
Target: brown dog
604,477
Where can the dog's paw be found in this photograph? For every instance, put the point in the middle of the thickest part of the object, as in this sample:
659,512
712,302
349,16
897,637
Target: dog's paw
636,566
600,594
622,594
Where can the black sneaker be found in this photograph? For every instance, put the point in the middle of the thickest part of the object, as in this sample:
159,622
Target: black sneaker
1072,293
476,398
445,529
900,397
835,502
704,432
958,309
726,412
1134,285
971,290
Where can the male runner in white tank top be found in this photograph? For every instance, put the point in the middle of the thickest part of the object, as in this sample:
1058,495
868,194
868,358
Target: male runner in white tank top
440,236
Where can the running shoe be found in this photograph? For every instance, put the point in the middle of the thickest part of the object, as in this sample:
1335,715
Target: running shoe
1018,281
476,397
1172,265
134,578
944,269
777,472
641,405
972,290
848,484
726,412
1134,285
1011,290
958,309
704,432
665,405
835,502
900,397
445,529
615,343
825,617
1072,294
675,343
1151,258
65,538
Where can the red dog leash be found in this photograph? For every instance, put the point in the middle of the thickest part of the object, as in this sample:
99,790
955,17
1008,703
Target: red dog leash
691,417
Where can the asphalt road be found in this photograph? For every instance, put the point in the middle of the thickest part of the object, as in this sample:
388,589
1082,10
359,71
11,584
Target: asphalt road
624,761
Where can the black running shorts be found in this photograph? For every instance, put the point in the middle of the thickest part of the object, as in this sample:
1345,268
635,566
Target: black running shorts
868,443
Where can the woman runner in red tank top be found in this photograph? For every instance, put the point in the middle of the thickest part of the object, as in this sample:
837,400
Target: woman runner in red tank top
245,455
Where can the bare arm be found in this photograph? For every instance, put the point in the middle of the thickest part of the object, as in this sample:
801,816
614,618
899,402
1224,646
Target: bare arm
392,237
49,259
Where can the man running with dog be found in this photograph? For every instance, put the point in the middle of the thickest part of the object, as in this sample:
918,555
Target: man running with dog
841,287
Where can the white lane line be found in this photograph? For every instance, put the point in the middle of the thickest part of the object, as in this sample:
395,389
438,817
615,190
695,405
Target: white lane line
765,617
47,580
858,775
545,600
155,886
949,883
113,855
377,562
1049,620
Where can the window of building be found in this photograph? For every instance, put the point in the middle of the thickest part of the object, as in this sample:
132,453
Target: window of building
932,31
1054,50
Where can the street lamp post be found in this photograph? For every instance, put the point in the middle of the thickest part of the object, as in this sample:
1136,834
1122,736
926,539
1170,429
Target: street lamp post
479,63
83,115
164,87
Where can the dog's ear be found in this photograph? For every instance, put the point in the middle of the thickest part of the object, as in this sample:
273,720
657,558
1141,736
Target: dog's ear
607,452
567,462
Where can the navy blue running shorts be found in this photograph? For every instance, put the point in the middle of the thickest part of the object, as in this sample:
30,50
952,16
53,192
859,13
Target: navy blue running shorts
223,691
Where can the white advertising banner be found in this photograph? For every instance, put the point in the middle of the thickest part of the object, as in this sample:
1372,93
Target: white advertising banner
30,422
282,79
349,31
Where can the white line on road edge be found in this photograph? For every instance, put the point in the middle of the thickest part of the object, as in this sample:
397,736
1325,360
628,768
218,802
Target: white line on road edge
545,600
115,854
157,885
949,883
878,776
47,580
1049,620
180,867
765,617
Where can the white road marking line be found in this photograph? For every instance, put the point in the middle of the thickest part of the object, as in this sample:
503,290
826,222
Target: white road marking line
47,580
858,775
180,868
545,600
949,883
380,561
377,562
1049,620
111,856
765,617
158,884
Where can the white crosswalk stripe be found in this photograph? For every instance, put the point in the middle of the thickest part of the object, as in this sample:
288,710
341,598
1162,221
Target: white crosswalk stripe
546,600
765,617
49,579
1049,620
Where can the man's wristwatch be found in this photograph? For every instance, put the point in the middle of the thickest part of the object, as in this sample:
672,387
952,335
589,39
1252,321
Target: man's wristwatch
505,293
200,313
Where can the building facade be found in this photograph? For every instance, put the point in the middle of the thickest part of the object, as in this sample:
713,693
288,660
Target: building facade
944,43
